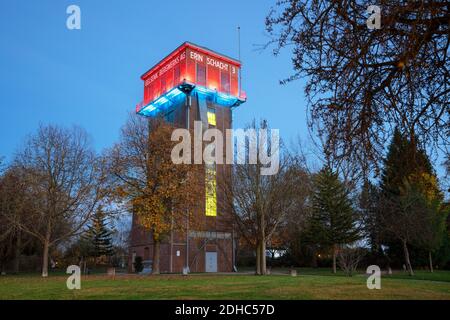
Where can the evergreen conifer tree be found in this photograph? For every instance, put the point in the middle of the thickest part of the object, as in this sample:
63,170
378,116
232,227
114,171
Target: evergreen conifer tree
370,215
99,235
333,220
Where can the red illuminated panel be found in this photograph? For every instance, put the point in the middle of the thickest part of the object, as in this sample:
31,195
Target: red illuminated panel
195,65
222,74
234,83
164,76
213,78
190,71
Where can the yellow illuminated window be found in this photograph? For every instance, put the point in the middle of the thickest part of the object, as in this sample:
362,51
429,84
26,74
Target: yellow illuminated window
210,192
211,117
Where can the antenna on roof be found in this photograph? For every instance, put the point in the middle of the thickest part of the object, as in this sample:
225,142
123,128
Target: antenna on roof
239,57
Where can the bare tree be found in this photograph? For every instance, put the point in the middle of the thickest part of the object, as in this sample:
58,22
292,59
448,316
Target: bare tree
7,228
447,174
404,219
349,259
65,180
15,210
363,83
260,203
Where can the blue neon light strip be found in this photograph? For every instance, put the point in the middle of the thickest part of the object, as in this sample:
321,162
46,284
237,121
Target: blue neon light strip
219,97
161,103
167,100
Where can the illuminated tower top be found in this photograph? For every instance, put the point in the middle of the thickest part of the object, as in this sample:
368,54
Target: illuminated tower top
191,67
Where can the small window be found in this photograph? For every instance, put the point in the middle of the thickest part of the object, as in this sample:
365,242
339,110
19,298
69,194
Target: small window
210,191
176,75
211,113
163,85
225,82
201,75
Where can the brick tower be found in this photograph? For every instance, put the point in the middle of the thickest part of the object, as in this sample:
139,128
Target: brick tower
191,84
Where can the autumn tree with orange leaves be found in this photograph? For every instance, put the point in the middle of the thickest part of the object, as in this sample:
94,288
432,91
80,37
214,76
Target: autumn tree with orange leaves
161,194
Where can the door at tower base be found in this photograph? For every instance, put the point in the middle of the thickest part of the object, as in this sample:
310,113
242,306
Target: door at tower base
210,261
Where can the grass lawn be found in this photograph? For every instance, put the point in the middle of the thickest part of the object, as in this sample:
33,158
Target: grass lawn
309,284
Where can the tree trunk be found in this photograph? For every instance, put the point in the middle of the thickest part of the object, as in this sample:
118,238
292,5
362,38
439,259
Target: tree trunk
263,258
18,251
258,258
46,249
45,259
334,258
45,252
156,252
263,243
84,266
407,261
314,258
430,259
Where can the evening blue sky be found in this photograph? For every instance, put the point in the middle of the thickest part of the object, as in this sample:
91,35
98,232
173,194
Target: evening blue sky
91,77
